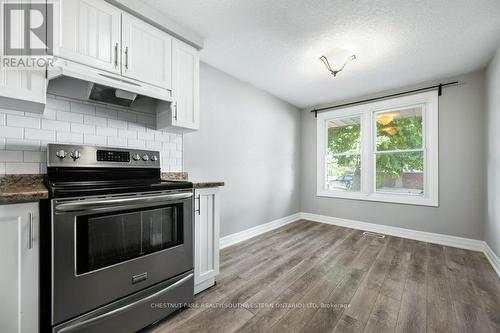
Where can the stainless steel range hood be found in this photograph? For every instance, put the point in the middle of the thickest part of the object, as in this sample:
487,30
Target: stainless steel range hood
70,79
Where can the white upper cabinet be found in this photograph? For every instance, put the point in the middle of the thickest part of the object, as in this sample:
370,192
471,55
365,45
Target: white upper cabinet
20,89
185,85
146,52
88,32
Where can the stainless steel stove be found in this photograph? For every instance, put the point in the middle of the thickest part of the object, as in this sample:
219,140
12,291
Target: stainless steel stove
120,245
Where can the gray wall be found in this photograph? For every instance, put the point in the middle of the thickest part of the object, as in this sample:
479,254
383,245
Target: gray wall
492,225
461,176
250,140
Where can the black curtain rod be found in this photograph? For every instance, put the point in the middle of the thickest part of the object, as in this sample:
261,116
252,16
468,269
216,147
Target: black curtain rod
439,87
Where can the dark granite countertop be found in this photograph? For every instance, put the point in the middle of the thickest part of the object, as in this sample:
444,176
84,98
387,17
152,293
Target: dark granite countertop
207,184
25,188
184,176
22,188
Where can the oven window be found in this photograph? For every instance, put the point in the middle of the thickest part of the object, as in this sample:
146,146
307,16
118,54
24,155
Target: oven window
107,239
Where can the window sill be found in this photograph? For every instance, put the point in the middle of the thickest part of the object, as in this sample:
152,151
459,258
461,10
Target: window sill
388,198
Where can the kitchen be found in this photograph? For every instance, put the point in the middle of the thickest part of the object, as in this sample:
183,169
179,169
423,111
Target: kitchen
150,179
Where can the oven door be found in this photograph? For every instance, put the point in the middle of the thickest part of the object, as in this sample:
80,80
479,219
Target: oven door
105,248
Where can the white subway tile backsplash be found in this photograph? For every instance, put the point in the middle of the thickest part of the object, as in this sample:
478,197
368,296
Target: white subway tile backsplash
162,137
117,142
153,145
90,139
106,131
35,156
106,113
24,136
136,127
55,125
127,134
79,128
137,144
93,120
20,168
48,114
22,121
168,146
146,136
57,104
82,108
22,144
11,132
11,156
67,137
36,134
71,117
117,123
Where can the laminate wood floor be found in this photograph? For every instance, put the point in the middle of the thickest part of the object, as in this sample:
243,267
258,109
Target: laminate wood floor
312,277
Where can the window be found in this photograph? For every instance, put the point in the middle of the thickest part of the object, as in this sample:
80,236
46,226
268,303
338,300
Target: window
383,151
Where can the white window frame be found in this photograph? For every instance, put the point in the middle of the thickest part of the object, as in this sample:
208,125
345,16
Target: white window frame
367,112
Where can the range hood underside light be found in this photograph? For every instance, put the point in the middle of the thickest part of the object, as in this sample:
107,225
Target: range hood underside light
110,95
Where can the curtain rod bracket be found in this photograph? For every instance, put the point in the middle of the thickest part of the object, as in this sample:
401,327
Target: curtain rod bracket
315,113
440,89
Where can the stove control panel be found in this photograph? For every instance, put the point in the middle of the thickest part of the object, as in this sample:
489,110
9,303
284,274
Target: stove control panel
113,156
60,155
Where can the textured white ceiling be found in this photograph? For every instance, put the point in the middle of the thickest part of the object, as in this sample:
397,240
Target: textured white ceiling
275,44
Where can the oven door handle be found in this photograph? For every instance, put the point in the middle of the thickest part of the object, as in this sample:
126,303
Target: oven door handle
110,203
124,308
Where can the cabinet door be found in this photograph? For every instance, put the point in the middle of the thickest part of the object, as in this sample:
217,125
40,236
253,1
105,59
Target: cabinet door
206,240
146,53
185,85
20,89
88,32
19,257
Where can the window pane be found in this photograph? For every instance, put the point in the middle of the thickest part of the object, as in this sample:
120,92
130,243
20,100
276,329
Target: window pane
344,173
401,173
399,130
344,135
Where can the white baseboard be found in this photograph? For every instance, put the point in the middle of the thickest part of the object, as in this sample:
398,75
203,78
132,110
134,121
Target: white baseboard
255,231
460,242
492,258
429,237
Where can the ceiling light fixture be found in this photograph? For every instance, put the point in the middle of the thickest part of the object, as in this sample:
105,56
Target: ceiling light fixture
335,71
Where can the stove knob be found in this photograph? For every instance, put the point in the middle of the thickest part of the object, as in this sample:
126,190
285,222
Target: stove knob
75,155
136,157
61,154
154,158
145,157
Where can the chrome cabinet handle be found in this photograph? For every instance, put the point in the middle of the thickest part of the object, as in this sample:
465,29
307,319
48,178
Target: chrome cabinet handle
175,107
124,308
30,231
96,204
199,205
126,57
116,55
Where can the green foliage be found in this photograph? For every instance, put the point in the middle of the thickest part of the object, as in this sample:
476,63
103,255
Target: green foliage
399,134
344,139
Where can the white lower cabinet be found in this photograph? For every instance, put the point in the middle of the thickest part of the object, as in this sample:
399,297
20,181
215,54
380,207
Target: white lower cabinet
19,246
206,238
